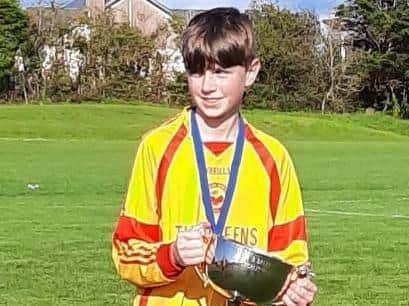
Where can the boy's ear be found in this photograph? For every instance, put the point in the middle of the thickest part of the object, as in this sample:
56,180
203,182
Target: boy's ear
252,72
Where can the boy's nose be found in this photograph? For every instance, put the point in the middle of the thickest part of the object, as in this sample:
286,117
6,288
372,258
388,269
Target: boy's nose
209,82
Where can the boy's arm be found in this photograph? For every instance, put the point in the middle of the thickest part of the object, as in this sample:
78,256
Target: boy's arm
287,237
138,252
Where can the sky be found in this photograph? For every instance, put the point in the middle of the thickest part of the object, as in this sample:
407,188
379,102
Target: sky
320,7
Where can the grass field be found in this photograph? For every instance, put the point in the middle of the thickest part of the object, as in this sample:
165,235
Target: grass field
55,242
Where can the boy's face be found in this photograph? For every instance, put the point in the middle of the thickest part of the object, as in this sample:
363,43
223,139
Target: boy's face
218,92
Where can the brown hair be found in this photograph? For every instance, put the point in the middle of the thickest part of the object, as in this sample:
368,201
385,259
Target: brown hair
222,36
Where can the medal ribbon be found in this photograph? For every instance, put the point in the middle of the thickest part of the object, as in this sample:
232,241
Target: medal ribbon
204,184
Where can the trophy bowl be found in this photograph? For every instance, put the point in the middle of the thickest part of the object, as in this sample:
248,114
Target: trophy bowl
247,273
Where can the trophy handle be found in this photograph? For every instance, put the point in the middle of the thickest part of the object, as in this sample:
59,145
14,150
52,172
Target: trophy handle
303,271
201,271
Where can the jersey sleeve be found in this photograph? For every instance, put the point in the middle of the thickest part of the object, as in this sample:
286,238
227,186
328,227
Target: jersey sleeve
138,252
287,237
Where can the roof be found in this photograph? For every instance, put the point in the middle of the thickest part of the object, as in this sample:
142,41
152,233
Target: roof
187,14
75,4
109,3
160,6
43,3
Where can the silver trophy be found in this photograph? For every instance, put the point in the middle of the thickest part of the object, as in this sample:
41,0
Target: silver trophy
243,273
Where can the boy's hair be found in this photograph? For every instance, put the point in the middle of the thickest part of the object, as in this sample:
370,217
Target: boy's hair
222,36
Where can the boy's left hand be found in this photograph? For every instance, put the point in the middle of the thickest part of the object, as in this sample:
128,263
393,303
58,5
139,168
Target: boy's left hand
300,293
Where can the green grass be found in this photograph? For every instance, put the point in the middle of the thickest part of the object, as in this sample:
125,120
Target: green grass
55,242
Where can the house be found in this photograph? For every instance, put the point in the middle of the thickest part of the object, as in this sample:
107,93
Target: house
332,28
147,15
186,15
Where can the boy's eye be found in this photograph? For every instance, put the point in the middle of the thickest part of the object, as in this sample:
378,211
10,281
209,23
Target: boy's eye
221,71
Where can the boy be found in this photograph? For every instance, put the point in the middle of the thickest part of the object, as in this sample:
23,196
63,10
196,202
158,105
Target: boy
209,166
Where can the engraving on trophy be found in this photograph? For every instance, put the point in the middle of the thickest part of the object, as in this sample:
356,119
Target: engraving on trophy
249,272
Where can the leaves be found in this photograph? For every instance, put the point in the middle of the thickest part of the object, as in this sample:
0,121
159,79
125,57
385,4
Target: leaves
13,32
381,28
286,45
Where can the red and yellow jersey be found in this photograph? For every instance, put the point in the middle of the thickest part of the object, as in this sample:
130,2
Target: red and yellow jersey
164,197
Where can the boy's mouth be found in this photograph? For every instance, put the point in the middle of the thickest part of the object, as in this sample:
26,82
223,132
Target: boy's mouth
210,99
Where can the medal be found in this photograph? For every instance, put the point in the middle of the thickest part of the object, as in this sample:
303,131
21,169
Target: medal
204,184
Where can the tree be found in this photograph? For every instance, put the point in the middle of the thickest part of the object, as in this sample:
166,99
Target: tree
75,58
13,27
339,67
287,46
381,29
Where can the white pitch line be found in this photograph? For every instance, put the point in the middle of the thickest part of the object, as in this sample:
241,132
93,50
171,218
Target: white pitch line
37,139
26,139
355,201
350,213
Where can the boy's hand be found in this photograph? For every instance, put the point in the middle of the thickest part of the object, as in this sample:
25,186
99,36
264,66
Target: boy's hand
300,293
189,249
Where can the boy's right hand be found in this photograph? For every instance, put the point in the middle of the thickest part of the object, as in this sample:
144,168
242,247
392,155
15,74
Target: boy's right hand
189,249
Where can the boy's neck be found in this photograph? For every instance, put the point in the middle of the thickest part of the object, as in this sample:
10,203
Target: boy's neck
218,129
